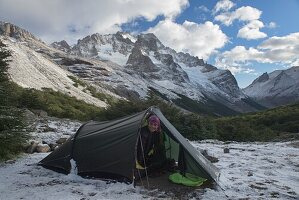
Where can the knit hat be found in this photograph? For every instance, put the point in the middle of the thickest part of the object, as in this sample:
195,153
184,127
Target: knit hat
154,120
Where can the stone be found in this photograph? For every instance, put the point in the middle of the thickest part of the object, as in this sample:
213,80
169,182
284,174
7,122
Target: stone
32,148
43,148
226,150
61,140
53,146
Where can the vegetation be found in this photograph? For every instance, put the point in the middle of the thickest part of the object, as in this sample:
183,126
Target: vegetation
13,132
104,97
274,124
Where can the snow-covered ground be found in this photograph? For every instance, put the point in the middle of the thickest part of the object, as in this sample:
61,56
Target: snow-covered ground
248,171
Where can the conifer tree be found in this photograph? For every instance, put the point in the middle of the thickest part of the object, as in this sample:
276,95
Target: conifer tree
12,122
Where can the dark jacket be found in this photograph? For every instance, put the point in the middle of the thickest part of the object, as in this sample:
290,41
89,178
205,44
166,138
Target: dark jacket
147,144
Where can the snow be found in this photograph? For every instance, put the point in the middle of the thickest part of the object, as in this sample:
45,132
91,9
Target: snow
248,171
195,75
30,69
286,86
106,52
256,170
127,35
166,84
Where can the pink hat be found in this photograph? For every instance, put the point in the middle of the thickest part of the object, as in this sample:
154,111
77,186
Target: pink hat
154,120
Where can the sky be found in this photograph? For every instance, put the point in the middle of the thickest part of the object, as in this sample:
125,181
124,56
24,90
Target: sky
247,37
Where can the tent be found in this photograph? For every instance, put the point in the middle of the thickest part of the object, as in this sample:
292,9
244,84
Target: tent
108,149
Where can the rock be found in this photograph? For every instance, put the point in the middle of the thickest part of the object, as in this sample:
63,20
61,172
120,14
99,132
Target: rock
47,128
32,147
10,161
53,146
30,116
210,158
40,113
226,150
250,174
61,140
43,148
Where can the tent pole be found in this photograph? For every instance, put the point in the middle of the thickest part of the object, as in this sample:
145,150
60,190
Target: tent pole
143,161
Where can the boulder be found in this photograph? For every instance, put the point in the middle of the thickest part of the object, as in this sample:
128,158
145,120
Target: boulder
62,140
43,148
32,147
53,146
40,113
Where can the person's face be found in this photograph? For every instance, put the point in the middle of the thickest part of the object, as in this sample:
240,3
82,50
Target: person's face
153,127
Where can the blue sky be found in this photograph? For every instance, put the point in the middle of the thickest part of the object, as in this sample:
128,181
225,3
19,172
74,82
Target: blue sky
247,37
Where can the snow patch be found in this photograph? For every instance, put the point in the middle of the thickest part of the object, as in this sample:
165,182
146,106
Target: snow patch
127,35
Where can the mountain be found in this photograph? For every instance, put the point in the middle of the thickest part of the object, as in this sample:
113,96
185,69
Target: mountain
148,64
124,66
277,88
33,64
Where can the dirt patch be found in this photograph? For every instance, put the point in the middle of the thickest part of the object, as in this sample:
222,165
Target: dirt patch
172,190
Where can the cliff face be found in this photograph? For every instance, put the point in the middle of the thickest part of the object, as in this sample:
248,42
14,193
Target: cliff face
277,88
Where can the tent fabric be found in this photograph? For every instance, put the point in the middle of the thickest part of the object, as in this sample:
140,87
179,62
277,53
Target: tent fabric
108,149
187,179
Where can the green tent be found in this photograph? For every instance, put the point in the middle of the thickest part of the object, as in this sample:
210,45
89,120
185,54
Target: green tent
108,149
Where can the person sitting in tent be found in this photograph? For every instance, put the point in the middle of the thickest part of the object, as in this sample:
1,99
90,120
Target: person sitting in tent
149,148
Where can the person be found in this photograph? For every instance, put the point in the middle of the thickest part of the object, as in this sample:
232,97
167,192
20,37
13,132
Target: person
149,153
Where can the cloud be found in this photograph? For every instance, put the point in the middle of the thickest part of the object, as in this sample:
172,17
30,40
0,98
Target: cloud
252,30
249,31
285,42
244,13
272,25
275,50
197,39
51,20
202,8
224,5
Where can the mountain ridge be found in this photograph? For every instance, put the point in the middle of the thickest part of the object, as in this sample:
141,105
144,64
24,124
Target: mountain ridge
277,88
128,66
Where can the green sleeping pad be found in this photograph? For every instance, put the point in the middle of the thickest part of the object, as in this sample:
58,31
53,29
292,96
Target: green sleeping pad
188,179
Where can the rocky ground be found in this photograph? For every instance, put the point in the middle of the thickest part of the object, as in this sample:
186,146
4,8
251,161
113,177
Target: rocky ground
248,171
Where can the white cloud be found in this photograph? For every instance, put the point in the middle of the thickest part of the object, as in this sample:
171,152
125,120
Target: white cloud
272,25
202,8
284,42
279,50
64,19
244,13
224,5
197,39
252,30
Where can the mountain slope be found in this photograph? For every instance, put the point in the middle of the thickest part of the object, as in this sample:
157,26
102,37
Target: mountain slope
277,88
162,68
123,65
34,65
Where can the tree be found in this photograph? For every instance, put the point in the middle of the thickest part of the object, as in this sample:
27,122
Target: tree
12,122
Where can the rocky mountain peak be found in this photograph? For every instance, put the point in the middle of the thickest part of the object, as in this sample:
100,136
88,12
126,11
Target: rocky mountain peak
263,78
11,30
149,42
140,62
276,88
62,45
130,66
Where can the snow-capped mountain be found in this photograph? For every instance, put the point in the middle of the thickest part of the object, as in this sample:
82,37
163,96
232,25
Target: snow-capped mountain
276,88
150,64
128,66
